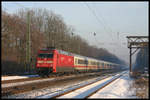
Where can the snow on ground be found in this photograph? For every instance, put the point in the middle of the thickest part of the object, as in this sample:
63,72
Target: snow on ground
26,82
44,91
17,77
83,92
117,89
120,88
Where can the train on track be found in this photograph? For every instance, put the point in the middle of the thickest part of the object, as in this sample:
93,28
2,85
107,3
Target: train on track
51,60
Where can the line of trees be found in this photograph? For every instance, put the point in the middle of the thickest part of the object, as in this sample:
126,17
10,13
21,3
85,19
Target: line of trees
46,29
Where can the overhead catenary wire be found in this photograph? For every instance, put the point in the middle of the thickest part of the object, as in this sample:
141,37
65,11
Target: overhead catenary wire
97,18
117,43
106,24
99,23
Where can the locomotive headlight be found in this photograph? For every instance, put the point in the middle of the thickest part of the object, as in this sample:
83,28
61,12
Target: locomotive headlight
49,61
40,61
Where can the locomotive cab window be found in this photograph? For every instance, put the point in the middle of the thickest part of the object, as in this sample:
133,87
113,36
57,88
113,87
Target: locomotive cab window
44,55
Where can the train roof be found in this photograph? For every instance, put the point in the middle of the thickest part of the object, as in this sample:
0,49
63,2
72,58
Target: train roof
77,55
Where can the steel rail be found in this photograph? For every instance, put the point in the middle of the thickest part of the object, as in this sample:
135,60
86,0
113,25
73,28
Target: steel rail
92,90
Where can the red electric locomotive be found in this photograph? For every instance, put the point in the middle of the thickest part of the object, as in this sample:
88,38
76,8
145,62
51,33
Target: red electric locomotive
52,60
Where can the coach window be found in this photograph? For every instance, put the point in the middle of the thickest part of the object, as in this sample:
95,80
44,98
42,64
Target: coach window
80,61
93,63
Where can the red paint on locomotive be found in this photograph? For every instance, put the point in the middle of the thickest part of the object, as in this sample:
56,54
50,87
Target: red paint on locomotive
57,60
65,60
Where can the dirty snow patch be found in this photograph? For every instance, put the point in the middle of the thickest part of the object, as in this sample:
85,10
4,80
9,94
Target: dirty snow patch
117,89
17,77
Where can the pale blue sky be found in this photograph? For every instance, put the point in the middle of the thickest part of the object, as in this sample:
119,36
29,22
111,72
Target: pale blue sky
127,18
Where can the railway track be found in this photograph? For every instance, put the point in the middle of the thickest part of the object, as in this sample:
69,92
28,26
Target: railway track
15,82
83,90
15,79
12,87
25,85
9,80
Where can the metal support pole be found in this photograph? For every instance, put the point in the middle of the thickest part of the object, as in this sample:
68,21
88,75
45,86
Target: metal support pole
29,59
130,58
28,44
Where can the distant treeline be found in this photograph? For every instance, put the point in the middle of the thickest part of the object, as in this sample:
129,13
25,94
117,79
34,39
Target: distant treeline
46,29
142,60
